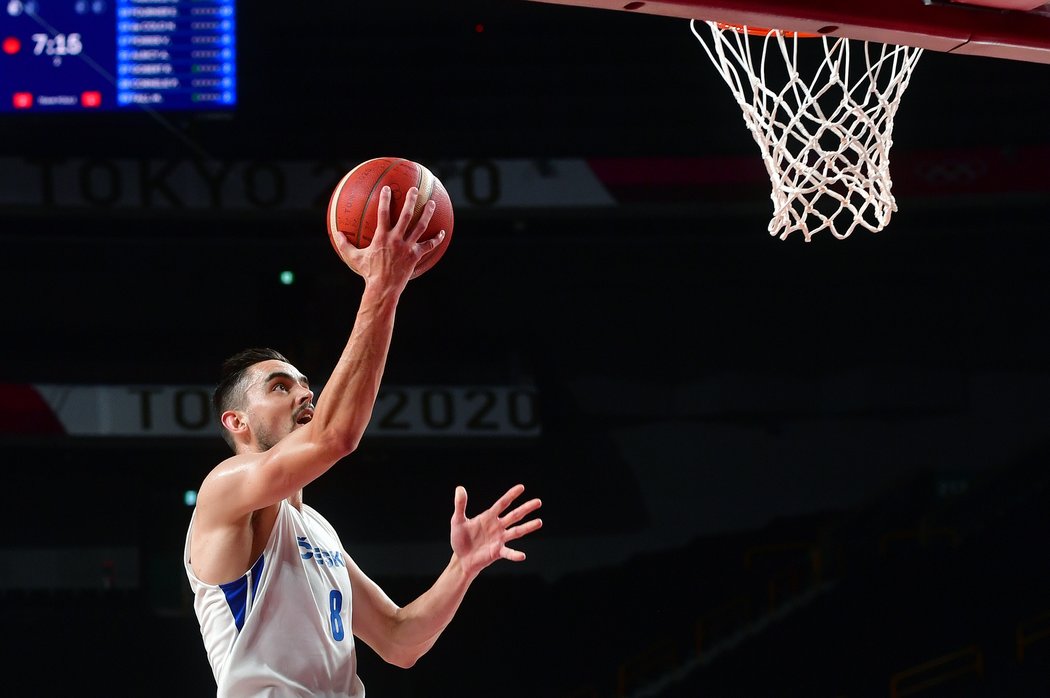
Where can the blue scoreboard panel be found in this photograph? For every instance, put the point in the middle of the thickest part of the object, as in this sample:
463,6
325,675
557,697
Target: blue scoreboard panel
117,55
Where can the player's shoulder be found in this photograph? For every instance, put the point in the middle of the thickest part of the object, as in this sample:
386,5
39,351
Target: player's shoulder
220,500
227,472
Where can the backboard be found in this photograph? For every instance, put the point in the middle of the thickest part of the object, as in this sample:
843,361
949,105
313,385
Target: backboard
1011,29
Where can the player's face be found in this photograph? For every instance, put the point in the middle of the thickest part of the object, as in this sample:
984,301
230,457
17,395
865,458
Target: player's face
279,402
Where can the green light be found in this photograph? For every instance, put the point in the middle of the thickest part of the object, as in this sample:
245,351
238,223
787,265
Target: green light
287,278
189,497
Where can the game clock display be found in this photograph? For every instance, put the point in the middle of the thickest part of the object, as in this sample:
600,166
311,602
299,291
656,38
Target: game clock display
117,55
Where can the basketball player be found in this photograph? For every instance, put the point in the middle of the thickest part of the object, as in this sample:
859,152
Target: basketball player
278,598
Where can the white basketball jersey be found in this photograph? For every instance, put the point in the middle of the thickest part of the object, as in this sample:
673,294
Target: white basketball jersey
283,629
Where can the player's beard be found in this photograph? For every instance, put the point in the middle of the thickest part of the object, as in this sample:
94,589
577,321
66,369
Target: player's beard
266,439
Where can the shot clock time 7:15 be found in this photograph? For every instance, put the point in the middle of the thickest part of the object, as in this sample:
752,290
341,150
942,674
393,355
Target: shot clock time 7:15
118,55
57,46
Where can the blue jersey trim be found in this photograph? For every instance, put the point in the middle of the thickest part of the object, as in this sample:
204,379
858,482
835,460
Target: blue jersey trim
236,592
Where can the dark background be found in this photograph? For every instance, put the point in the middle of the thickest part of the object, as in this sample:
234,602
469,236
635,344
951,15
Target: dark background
768,467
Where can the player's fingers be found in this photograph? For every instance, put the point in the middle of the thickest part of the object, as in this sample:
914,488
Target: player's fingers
521,512
341,242
383,211
351,255
431,243
459,508
424,220
511,554
504,501
524,529
407,210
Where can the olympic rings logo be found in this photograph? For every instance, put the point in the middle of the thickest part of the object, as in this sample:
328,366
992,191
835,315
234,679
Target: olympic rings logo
953,171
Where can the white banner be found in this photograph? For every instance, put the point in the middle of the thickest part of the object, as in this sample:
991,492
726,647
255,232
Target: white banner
401,411
269,185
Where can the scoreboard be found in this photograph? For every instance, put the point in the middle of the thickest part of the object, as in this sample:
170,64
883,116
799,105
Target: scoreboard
117,55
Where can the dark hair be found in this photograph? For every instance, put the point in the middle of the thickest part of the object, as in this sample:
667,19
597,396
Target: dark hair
229,392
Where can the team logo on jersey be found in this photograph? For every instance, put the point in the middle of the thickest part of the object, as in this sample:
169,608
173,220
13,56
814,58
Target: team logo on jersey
325,558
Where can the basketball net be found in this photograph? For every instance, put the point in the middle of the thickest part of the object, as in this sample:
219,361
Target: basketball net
825,139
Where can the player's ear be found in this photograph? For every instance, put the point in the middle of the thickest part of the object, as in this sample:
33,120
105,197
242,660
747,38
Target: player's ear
234,422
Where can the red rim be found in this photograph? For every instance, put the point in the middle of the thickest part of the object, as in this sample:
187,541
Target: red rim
762,31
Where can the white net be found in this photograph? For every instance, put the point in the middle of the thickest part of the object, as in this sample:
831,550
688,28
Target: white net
825,138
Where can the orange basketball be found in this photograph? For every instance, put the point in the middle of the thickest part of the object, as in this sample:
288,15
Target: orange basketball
354,206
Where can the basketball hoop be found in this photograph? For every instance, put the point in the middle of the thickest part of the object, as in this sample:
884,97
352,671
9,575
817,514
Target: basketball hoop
825,139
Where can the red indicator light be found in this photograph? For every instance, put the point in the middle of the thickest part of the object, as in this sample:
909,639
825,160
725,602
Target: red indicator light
91,99
22,100
479,28
12,45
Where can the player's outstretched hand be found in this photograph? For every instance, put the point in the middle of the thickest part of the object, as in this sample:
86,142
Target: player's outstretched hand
481,540
395,249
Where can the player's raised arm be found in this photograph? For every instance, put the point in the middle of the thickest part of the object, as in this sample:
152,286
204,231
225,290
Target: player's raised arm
310,440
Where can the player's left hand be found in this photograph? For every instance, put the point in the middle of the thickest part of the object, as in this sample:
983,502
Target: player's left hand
481,540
